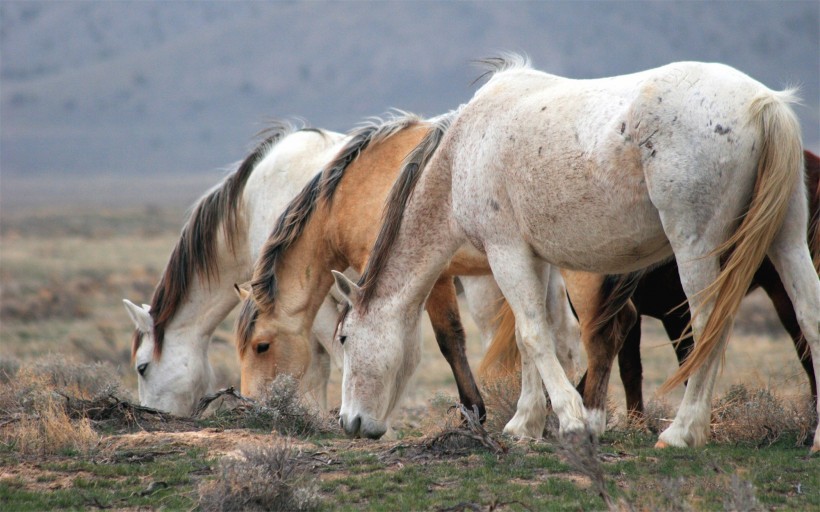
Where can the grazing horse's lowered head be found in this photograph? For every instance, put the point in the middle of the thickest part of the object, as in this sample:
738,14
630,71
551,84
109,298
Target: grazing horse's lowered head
330,224
217,246
175,381
381,356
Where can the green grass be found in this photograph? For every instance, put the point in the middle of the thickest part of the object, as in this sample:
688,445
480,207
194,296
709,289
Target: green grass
108,482
535,477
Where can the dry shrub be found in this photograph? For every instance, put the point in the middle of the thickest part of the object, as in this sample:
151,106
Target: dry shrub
501,398
741,496
580,450
34,412
675,496
441,414
260,477
284,410
658,415
760,416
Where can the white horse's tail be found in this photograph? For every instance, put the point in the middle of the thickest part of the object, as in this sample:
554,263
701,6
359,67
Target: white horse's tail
779,167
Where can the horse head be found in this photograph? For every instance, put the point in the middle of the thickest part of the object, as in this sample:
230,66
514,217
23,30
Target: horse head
267,347
374,374
173,380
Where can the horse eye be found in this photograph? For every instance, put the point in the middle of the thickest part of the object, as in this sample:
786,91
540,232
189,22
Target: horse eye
342,339
141,369
262,348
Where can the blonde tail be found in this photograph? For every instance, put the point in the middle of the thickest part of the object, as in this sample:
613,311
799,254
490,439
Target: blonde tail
502,359
779,168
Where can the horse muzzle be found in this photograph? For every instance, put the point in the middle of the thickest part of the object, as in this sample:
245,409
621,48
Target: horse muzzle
358,427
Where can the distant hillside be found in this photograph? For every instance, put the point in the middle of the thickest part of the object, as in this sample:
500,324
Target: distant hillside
148,87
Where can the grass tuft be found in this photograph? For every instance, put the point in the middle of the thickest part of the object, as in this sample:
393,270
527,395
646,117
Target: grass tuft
35,412
260,477
282,409
760,417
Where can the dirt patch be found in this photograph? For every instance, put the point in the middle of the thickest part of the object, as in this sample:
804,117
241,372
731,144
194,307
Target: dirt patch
217,442
35,478
581,481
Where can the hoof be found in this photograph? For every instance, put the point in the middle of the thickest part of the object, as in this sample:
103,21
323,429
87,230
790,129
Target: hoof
815,449
661,445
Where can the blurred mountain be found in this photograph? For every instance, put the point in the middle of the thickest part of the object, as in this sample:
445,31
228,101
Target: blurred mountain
157,87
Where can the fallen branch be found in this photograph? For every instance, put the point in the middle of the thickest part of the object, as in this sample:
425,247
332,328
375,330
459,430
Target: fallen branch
206,400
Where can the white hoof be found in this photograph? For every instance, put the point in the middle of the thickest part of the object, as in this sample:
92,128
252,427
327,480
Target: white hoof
521,427
680,437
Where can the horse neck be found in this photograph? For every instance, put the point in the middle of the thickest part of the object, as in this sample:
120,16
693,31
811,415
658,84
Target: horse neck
209,301
425,243
303,275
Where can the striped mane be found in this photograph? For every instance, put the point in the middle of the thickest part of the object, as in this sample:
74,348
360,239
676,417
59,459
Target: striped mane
291,224
194,255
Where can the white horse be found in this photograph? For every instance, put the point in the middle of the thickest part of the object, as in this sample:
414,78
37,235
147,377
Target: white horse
609,176
217,248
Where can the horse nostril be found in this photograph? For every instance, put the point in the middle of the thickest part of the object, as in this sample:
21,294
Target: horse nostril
141,369
351,427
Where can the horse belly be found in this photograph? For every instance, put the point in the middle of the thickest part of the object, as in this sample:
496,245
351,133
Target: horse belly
610,242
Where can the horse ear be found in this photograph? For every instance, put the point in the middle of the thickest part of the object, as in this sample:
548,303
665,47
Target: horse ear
242,290
139,315
349,290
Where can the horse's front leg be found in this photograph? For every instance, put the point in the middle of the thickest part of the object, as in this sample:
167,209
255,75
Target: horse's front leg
631,370
442,307
524,279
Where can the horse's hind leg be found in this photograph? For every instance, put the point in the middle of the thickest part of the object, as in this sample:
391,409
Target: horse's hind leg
790,255
442,307
768,279
691,424
694,232
524,279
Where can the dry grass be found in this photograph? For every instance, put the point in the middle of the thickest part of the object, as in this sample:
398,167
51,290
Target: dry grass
260,477
757,416
34,416
49,430
760,416
501,397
